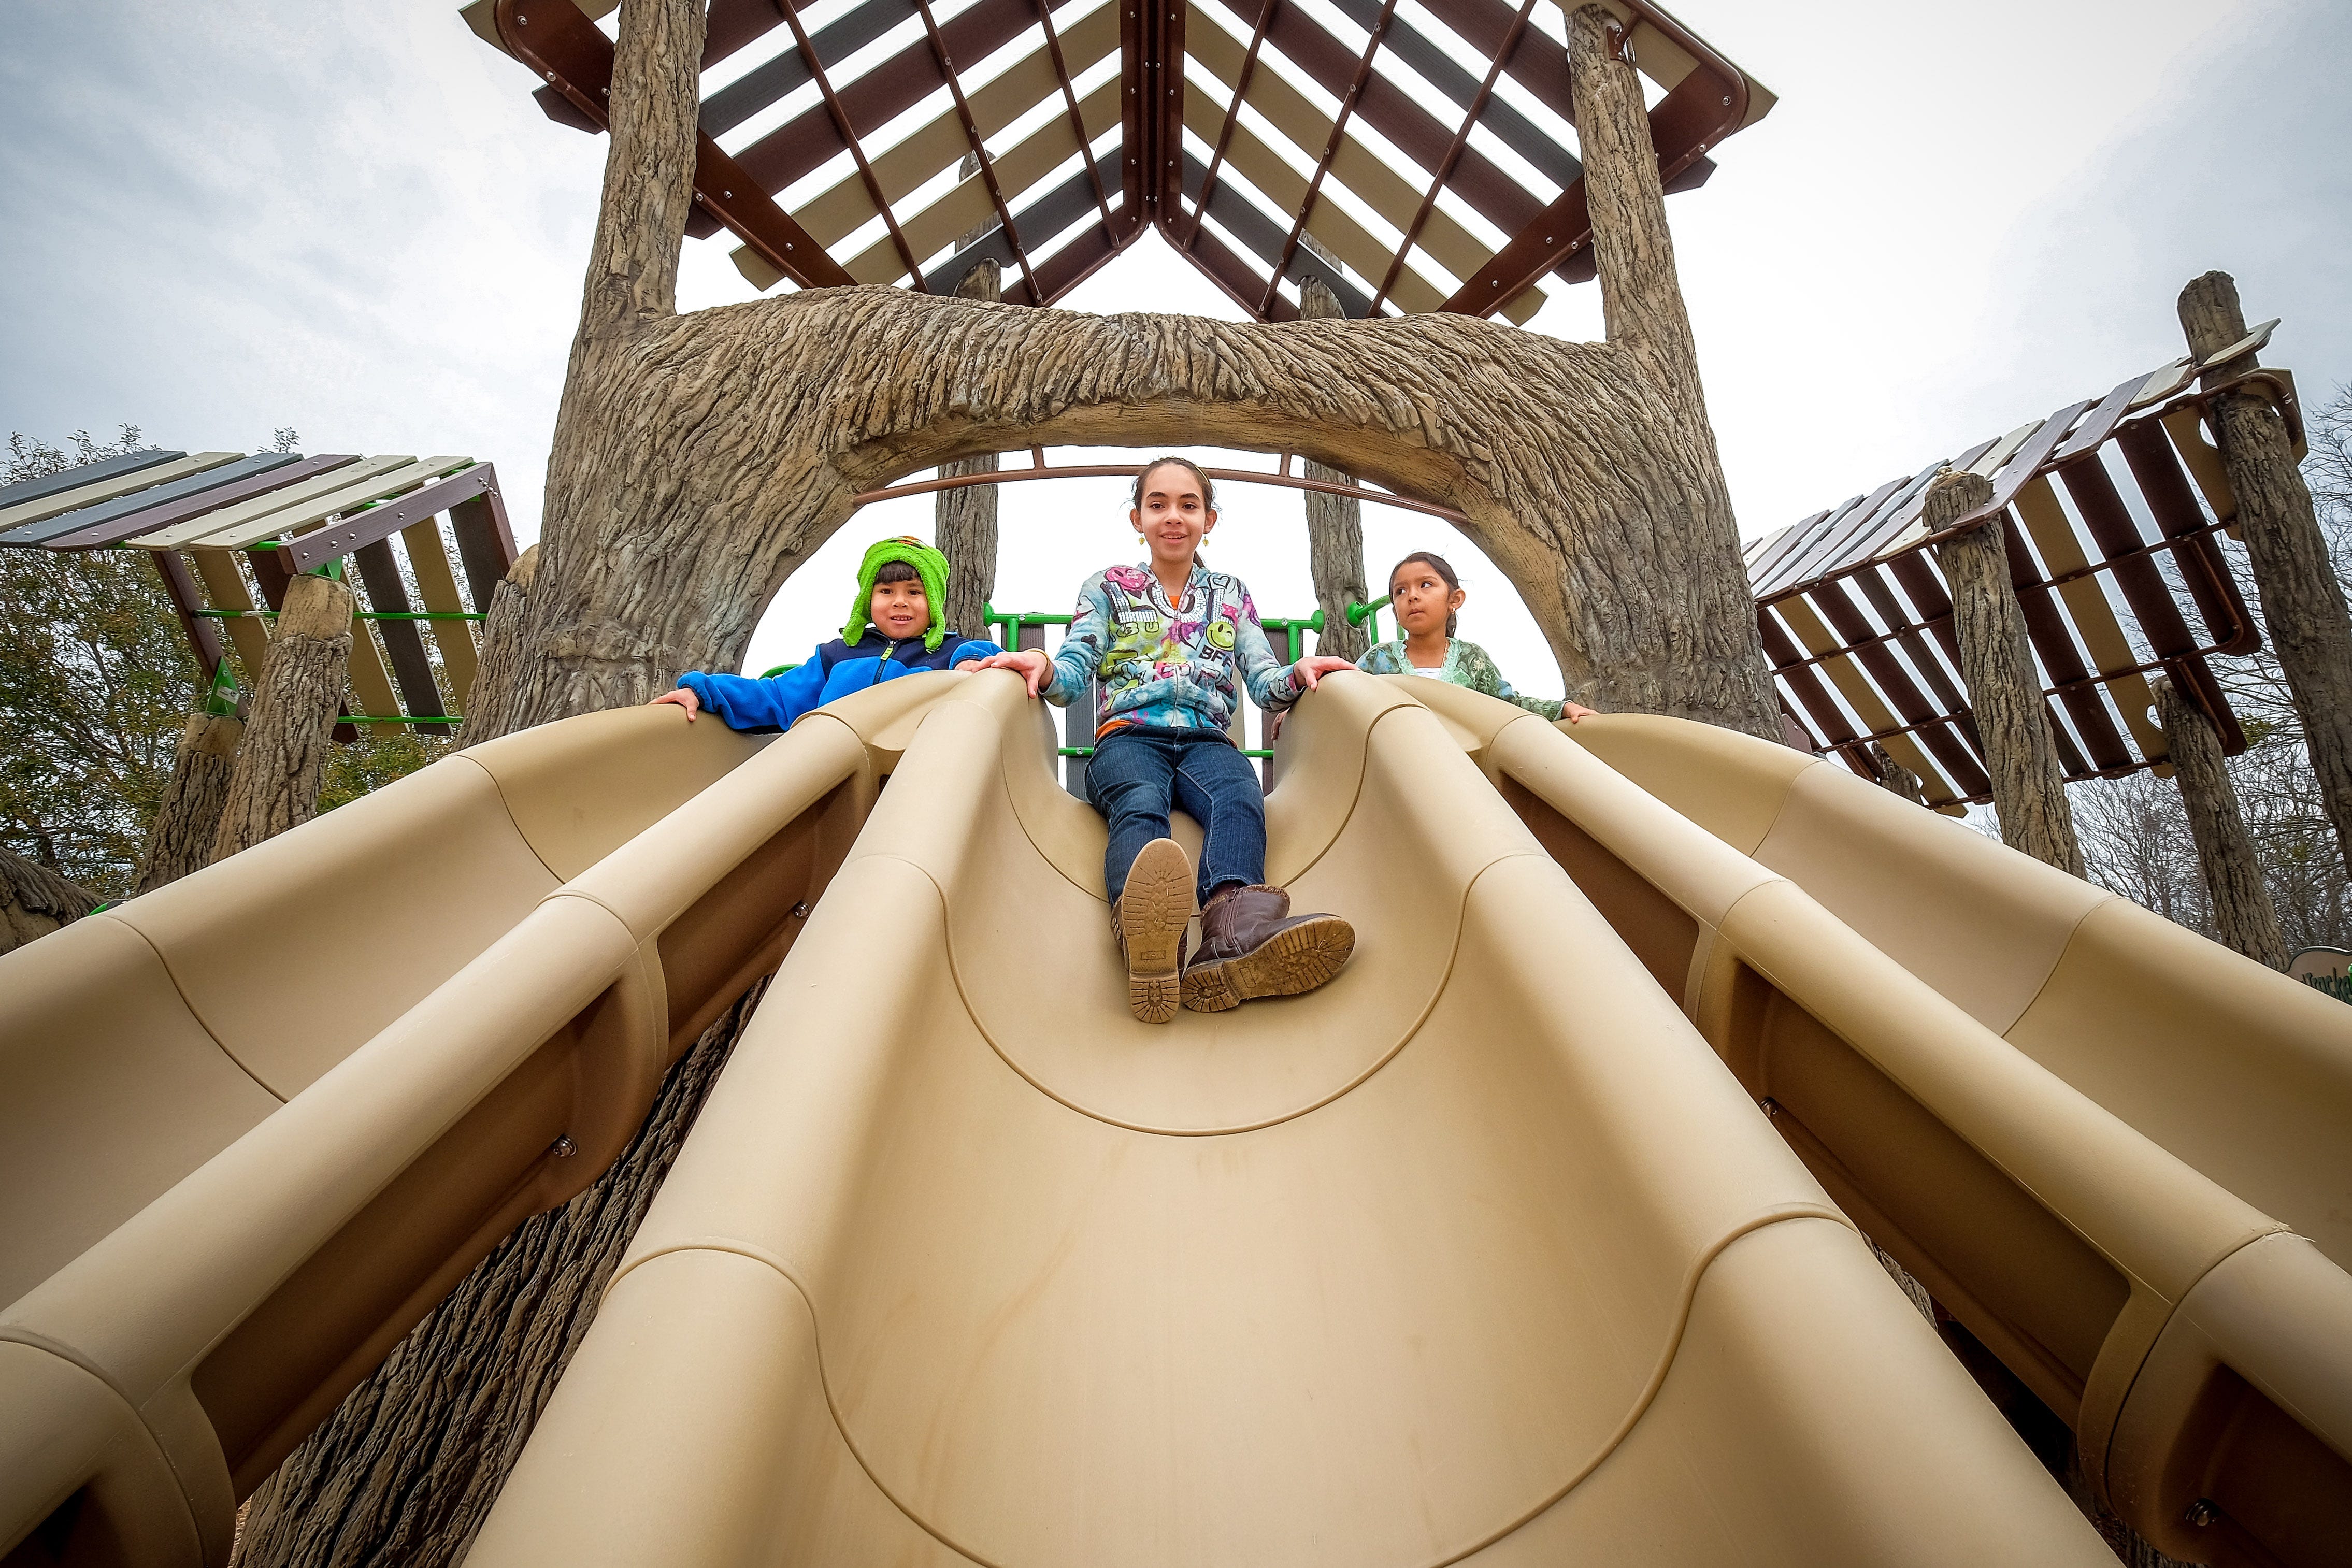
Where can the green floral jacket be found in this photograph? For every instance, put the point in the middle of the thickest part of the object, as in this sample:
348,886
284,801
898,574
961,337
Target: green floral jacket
1466,664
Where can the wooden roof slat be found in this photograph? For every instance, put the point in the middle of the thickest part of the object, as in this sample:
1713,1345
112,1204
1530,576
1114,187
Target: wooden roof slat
1356,166
1391,110
1240,218
778,79
1539,63
224,586
169,513
1787,658
1861,696
1334,228
428,557
410,665
311,513
966,204
2101,421
844,208
1360,85
2186,428
1049,214
1430,61
1801,536
1879,588
2062,660
1896,684
41,486
873,100
1826,545
58,502
2087,607
2173,505
226,519
102,513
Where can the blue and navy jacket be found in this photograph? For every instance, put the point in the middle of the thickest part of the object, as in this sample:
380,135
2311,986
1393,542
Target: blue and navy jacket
835,670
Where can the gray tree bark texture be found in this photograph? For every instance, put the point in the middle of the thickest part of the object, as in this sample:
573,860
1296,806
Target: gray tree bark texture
181,838
2243,915
1895,778
1335,524
275,783
2028,785
2303,604
966,518
699,460
406,1471
36,901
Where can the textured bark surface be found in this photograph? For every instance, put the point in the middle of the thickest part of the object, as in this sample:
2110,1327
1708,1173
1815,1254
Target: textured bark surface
275,783
406,1471
1895,778
2303,604
180,838
502,648
966,518
2243,915
1335,524
36,901
2028,785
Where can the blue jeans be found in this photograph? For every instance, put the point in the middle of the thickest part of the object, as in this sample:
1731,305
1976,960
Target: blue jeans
1136,776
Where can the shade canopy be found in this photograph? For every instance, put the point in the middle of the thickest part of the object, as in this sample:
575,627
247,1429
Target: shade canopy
2112,507
1414,154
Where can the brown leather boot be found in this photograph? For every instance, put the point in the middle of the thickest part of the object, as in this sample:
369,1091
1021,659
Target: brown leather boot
1252,946
1149,921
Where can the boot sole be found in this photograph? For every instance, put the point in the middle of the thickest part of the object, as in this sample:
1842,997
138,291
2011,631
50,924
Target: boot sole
1153,909
1286,965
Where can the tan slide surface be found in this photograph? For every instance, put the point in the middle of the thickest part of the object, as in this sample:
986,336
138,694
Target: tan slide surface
1476,1252
1483,1250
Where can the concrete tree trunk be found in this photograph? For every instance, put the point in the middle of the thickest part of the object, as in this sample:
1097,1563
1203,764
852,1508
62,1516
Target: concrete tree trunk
275,783
180,838
1335,524
2244,918
2028,785
2303,603
36,901
966,518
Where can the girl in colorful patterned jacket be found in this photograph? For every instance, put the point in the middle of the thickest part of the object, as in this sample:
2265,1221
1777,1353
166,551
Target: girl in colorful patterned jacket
1170,644
1427,598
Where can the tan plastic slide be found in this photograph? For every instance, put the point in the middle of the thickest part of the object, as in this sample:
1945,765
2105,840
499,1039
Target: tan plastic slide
1477,1252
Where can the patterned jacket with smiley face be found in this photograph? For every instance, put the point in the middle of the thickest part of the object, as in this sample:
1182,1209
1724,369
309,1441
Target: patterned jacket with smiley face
1163,666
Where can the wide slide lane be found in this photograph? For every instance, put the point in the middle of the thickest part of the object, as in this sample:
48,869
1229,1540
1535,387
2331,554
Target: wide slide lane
1479,1251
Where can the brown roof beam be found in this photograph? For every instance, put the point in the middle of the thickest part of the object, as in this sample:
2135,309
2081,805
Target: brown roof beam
1391,110
873,192
1681,127
1232,118
776,79
1330,151
979,151
1476,107
1070,102
1434,64
889,88
563,46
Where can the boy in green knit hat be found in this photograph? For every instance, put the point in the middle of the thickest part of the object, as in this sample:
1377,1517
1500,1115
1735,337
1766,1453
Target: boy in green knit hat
893,630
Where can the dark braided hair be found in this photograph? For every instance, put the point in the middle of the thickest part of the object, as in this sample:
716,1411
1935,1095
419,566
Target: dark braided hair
1437,563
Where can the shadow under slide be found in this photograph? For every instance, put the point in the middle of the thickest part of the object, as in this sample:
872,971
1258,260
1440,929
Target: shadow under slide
1479,1251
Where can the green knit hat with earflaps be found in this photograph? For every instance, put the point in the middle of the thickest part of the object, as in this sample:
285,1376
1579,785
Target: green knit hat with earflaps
930,567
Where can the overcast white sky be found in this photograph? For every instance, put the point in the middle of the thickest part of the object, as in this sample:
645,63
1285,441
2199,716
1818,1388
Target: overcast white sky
349,218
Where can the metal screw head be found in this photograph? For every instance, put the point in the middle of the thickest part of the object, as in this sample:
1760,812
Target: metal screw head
563,1148
799,910
2201,1514
1726,103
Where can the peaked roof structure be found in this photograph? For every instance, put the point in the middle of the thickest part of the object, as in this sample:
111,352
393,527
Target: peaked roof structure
1414,154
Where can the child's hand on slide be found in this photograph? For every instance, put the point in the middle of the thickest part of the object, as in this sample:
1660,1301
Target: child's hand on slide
1575,712
684,697
1315,666
1031,663
969,665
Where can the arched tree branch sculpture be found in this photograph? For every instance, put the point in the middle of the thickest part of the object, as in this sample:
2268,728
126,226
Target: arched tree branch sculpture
699,459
